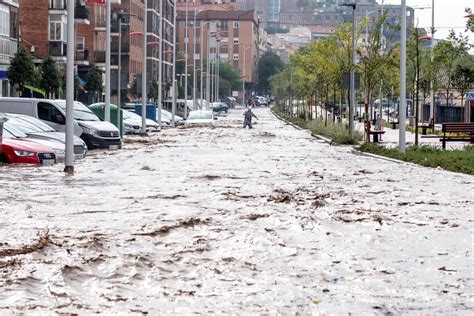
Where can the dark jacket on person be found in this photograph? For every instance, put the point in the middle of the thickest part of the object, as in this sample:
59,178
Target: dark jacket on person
248,116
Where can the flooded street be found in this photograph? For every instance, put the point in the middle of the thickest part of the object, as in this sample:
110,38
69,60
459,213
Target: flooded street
236,221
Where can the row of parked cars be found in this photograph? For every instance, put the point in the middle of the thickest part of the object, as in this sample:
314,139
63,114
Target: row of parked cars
34,129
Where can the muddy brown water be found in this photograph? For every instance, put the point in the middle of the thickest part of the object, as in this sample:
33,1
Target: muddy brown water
232,221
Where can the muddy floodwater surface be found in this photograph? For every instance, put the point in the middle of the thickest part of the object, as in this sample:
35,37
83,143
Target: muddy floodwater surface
226,220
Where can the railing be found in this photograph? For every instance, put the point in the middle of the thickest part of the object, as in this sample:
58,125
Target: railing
115,48
8,47
82,55
57,48
57,5
81,12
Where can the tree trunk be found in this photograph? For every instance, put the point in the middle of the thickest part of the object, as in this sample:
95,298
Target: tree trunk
367,117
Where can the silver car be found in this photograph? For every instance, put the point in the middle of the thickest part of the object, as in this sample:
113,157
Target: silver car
37,129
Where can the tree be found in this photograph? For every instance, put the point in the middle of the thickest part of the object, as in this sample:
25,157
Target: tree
463,75
22,69
50,76
446,54
229,79
470,20
373,59
94,80
268,65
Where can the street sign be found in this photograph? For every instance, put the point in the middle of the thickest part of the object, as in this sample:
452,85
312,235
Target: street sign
347,80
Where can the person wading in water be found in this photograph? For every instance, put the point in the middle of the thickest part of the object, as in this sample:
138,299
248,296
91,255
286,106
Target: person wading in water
248,115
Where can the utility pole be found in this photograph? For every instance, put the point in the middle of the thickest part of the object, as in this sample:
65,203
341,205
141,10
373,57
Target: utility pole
119,69
194,60
403,74
144,79
173,107
69,158
352,87
186,40
107,59
432,98
160,65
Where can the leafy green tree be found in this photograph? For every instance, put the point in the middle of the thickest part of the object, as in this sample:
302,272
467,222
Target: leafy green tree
463,76
446,55
50,76
268,65
229,79
94,80
470,20
22,69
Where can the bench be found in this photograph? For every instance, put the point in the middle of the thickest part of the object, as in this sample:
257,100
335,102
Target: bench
376,135
464,128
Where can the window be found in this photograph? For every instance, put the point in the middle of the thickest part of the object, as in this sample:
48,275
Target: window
55,31
224,26
4,20
236,56
80,44
236,40
198,23
236,24
48,112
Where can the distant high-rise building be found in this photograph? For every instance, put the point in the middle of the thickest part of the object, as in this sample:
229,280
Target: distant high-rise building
274,7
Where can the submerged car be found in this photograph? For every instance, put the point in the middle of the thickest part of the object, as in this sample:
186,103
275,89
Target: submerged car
219,107
15,150
200,117
132,123
168,115
37,129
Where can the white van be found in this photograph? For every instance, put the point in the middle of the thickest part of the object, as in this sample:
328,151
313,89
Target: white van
87,125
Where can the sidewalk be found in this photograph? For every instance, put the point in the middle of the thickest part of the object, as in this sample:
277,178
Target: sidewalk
391,136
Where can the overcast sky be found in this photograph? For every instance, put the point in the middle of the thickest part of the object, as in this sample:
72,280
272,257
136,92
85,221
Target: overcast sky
449,14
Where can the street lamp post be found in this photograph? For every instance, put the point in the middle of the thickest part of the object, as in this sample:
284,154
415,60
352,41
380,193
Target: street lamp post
107,60
144,79
173,108
160,65
69,158
186,40
403,100
244,76
432,98
352,86
202,63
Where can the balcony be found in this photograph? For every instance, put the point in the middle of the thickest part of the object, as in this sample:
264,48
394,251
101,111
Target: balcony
82,57
99,58
8,47
115,48
60,5
81,14
57,49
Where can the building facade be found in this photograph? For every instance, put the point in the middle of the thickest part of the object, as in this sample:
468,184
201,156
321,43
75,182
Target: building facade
229,36
9,34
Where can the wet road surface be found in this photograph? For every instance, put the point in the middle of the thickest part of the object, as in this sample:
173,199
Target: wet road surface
228,220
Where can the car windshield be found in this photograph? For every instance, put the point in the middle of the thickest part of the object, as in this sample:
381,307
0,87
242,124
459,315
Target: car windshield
81,112
23,126
200,115
131,115
38,124
13,130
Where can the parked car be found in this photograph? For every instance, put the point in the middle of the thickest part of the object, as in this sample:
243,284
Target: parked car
37,129
200,117
180,106
87,125
132,123
10,131
22,150
169,115
164,117
219,107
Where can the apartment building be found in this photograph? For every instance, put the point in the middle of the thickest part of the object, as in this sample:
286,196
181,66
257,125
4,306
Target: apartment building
44,26
232,35
9,33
